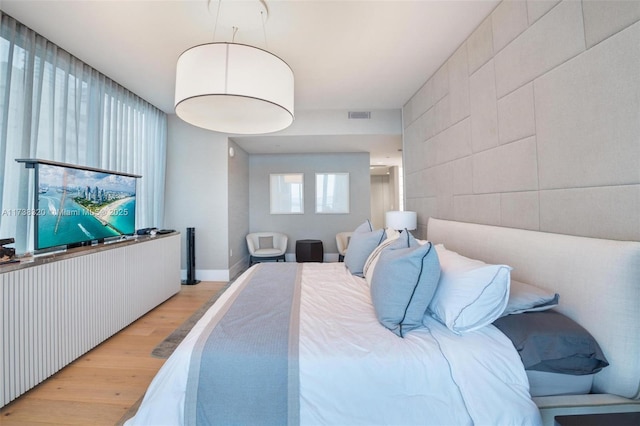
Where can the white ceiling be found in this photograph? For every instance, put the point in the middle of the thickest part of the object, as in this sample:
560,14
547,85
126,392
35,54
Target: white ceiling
347,55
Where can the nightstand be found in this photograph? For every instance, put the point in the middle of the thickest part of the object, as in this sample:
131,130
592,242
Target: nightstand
600,419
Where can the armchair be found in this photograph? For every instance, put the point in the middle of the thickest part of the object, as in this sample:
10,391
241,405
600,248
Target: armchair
266,246
342,241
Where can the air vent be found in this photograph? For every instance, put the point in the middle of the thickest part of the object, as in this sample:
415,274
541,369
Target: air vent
359,115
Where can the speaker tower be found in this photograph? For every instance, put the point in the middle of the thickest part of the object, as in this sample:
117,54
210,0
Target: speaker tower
191,257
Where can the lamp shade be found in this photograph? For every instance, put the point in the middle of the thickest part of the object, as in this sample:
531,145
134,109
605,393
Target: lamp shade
401,220
234,88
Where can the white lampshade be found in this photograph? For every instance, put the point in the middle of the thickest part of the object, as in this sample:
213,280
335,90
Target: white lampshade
401,220
234,88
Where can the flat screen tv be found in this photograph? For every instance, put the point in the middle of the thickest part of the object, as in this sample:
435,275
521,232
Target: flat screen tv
76,206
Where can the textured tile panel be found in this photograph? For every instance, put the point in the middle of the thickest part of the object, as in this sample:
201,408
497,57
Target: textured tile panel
484,114
588,116
538,8
442,114
407,114
508,168
508,20
603,19
477,208
453,143
520,210
480,46
602,212
412,185
437,181
463,176
445,206
555,38
459,85
516,118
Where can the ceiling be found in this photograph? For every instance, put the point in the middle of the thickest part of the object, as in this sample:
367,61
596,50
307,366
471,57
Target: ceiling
346,55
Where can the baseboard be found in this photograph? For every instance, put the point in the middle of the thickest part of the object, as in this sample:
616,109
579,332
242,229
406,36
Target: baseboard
239,267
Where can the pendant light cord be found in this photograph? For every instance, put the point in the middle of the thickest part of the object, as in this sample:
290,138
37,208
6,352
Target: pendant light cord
235,29
264,30
215,25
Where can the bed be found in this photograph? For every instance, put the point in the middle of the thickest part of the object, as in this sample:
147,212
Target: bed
337,352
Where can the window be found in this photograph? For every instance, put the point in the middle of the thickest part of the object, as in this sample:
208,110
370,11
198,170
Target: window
57,108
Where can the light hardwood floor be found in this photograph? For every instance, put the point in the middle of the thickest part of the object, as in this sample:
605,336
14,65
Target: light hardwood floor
100,387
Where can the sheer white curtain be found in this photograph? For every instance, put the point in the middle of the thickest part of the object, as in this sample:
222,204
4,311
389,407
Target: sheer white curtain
55,107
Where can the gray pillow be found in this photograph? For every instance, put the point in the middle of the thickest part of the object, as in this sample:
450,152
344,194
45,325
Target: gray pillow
549,341
403,283
265,242
363,240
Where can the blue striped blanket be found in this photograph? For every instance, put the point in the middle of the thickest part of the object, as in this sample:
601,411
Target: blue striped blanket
244,368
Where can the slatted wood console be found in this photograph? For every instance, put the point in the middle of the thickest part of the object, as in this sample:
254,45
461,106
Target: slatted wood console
57,307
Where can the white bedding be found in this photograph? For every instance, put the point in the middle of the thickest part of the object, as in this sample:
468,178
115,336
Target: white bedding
354,371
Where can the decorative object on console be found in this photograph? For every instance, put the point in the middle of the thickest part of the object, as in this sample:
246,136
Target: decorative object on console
7,253
235,88
145,231
400,220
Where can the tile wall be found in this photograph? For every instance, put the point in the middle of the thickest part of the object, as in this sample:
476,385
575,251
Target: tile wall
534,123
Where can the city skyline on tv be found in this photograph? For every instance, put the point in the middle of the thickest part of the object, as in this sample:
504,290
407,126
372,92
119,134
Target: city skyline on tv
75,205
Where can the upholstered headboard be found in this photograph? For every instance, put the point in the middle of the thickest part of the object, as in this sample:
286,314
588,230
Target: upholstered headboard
598,282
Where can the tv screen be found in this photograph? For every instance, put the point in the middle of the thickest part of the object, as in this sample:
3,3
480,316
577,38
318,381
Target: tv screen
75,206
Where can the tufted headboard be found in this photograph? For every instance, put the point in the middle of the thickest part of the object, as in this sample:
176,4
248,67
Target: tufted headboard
598,282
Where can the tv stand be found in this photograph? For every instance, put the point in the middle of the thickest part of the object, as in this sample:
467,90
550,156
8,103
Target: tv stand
55,307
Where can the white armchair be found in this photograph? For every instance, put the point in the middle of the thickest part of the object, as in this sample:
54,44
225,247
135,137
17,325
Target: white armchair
266,246
342,241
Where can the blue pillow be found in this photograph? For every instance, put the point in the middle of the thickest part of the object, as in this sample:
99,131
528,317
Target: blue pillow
363,241
403,283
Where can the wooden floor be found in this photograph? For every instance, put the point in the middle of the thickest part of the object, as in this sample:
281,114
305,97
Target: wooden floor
101,386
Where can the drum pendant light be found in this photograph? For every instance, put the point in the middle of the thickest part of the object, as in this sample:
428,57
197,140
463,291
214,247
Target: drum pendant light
234,88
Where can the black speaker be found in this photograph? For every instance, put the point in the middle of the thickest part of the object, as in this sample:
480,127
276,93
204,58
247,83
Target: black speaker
191,257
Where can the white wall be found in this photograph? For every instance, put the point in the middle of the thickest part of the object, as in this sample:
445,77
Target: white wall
381,199
196,196
238,209
533,123
209,190
309,225
336,122
385,195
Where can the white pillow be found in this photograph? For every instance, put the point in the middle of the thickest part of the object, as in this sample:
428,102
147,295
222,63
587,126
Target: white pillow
372,260
527,298
471,294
